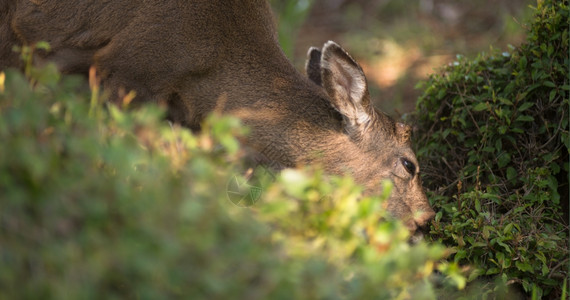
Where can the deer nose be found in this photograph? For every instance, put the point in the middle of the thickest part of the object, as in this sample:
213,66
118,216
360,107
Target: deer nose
423,218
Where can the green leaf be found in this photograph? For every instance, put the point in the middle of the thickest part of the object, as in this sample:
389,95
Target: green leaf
438,216
540,257
525,106
552,95
479,245
499,144
508,228
117,114
549,84
441,94
545,270
511,173
491,196
492,271
47,75
523,266
503,159
487,232
460,255
505,246
476,273
43,45
505,101
525,118
523,62
481,106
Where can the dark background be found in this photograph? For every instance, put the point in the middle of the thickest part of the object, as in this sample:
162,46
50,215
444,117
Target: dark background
400,42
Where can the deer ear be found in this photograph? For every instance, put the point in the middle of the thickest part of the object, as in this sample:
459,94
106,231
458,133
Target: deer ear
345,83
403,133
313,65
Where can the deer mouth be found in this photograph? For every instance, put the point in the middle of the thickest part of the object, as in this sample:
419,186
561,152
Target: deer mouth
417,237
418,234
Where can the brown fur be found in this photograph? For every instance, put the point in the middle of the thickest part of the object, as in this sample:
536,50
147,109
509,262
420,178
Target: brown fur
201,55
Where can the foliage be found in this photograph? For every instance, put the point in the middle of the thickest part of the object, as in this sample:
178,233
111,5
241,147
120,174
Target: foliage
493,145
291,14
102,203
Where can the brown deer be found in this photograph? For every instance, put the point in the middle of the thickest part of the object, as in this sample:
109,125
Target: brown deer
204,55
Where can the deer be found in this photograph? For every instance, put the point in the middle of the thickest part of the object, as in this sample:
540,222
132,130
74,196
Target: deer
197,56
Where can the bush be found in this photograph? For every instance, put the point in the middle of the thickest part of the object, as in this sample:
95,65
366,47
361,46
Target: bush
493,144
102,203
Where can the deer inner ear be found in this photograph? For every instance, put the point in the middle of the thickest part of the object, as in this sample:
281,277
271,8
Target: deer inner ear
345,83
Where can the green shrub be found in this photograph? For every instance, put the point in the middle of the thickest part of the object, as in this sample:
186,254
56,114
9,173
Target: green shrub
102,203
493,144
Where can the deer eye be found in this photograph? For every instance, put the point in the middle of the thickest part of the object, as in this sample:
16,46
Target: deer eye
410,167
